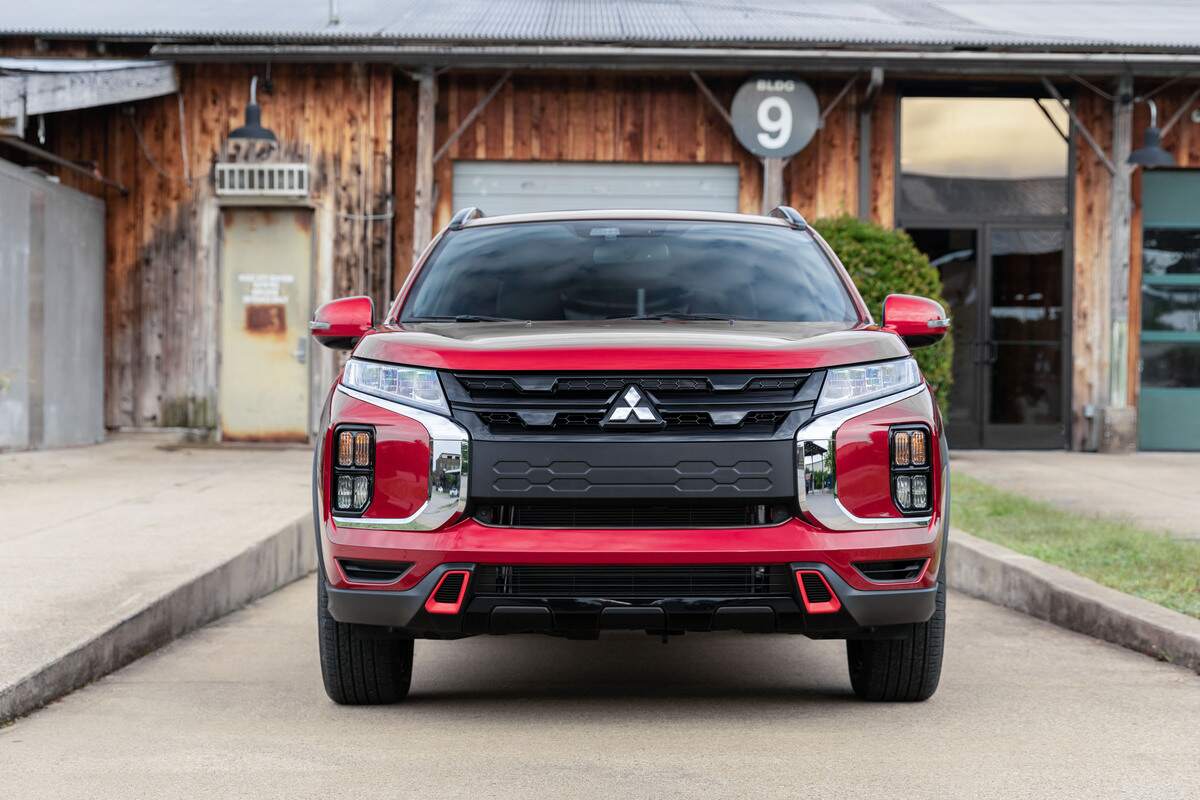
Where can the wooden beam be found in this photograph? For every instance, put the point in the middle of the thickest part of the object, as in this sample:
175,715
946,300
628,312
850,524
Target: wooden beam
708,95
1179,112
33,93
423,183
21,144
1083,131
470,118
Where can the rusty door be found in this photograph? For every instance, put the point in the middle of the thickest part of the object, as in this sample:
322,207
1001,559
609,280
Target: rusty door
266,301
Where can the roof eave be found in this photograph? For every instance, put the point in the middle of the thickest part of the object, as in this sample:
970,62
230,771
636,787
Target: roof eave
621,57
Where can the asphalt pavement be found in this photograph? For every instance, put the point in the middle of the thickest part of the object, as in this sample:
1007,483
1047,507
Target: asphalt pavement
236,710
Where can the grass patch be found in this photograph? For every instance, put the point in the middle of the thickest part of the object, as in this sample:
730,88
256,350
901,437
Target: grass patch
1110,551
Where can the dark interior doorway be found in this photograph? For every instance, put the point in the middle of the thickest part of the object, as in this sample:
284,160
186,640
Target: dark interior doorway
983,191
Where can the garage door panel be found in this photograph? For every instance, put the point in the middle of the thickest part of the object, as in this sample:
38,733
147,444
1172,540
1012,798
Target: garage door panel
507,187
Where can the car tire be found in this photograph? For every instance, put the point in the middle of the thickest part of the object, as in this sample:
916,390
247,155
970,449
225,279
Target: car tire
903,670
361,665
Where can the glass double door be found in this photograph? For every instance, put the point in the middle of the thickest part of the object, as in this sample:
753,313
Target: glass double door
1006,285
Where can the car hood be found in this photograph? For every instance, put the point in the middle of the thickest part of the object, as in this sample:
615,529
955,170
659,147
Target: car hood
629,345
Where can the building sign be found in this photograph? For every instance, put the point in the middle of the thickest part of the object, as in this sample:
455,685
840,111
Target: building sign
775,116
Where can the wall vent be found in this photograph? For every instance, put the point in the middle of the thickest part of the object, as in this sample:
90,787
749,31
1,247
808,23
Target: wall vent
262,180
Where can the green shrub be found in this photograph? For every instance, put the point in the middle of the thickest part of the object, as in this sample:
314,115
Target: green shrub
883,262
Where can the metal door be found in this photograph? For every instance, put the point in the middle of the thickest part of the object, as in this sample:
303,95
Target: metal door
1007,288
1024,334
266,302
1169,399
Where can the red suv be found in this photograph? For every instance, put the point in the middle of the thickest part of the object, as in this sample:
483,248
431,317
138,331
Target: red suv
667,422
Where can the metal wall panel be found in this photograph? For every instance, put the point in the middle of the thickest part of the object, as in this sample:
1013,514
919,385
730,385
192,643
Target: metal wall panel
73,314
15,197
51,313
507,187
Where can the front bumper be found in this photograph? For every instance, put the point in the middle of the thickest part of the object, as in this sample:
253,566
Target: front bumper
865,605
861,612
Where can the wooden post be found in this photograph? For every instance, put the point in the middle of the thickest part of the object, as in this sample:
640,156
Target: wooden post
1119,433
772,183
423,191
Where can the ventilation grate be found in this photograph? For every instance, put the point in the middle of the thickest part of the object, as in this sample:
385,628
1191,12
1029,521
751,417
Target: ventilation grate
891,571
814,588
613,515
450,588
373,571
261,180
646,583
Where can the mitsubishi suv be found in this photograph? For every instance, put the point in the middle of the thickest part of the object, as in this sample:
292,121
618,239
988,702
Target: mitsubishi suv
671,422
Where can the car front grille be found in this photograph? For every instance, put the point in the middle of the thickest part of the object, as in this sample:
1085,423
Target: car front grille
626,515
644,583
539,404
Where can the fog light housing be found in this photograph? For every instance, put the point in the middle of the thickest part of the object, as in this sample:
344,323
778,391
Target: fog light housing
910,470
353,474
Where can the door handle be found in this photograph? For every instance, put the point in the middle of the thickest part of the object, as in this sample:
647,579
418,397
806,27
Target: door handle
301,351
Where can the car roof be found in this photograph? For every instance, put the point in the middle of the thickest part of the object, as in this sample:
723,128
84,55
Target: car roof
625,213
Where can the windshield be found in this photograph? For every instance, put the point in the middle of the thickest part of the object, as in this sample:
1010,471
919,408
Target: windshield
615,269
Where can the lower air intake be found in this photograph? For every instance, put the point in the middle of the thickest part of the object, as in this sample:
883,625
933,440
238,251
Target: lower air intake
373,571
614,515
645,583
814,588
891,571
450,588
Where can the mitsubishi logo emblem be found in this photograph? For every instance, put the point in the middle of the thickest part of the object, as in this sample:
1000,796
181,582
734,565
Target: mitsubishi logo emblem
632,409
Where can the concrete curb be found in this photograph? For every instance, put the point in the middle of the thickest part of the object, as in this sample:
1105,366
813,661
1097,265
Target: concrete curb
279,559
991,572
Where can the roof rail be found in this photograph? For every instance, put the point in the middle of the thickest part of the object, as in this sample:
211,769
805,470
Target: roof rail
463,216
789,215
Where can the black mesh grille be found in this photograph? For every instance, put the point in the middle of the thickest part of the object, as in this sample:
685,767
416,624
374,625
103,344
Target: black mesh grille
373,571
815,588
616,515
450,587
883,571
646,583
539,403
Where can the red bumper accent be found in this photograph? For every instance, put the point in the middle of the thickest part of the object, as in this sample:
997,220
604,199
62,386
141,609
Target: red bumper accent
433,606
830,606
470,542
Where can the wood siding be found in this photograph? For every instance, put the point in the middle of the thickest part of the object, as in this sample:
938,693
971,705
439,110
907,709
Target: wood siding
605,117
161,284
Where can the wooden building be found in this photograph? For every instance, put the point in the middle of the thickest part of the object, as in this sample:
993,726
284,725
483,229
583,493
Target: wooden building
1002,149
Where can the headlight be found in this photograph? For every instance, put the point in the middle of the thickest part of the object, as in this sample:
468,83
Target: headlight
846,386
418,387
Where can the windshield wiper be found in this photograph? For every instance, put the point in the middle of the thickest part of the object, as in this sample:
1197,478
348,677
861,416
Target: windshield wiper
462,318
677,315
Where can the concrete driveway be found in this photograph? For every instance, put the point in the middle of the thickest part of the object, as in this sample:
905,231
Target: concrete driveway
236,710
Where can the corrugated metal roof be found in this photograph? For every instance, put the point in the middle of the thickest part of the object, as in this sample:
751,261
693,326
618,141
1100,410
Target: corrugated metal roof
1157,25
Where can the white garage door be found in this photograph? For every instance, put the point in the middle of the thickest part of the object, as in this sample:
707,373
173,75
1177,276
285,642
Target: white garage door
515,187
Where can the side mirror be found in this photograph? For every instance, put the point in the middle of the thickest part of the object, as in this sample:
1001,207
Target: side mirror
339,324
919,321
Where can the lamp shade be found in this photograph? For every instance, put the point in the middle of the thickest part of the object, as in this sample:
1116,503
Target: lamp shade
1151,153
253,128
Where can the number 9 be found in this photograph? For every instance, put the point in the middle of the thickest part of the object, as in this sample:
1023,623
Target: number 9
777,131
